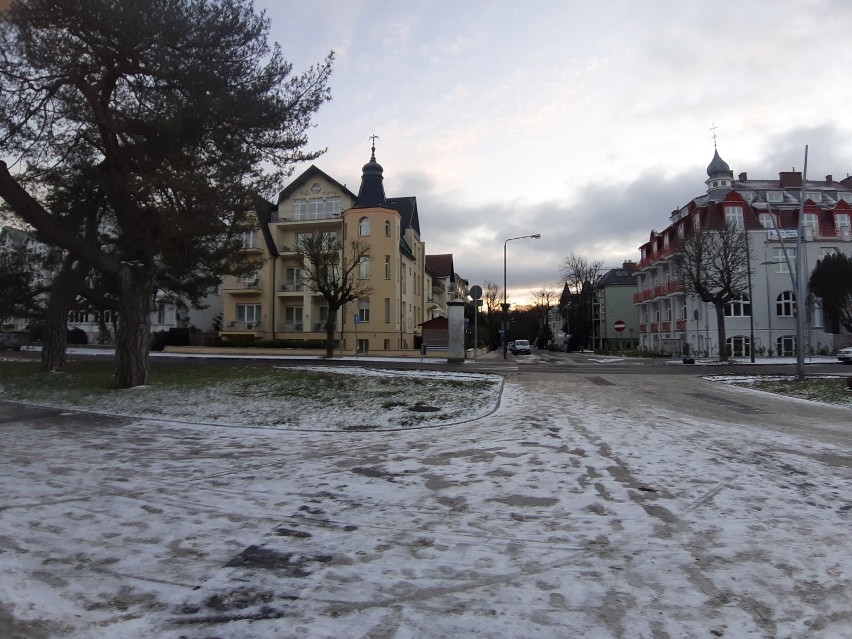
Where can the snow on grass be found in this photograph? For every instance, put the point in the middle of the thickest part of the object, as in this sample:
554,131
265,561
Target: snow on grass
320,398
829,389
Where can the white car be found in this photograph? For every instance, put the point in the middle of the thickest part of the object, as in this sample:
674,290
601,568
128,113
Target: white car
845,355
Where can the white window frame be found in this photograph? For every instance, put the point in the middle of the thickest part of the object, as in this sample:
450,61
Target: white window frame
738,308
782,263
364,311
768,220
364,227
775,196
810,220
734,216
841,220
785,304
249,313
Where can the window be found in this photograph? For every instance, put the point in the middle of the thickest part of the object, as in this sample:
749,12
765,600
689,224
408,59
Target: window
738,308
696,223
387,310
364,268
828,250
734,216
786,345
739,346
785,305
767,220
813,196
680,231
363,346
292,279
666,241
387,344
782,263
809,220
387,267
161,313
846,197
248,312
250,239
293,316
387,229
364,226
78,317
364,310
332,207
774,196
841,220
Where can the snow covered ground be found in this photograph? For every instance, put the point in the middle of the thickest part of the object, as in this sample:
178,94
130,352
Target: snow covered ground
593,506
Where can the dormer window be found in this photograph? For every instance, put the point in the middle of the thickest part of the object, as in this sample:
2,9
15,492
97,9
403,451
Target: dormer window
813,196
845,197
809,220
734,217
841,220
666,242
767,220
774,196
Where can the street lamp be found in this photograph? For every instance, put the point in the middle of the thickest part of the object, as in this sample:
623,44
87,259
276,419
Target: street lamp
505,304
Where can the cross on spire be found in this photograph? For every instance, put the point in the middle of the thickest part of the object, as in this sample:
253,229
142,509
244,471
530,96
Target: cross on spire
713,129
373,137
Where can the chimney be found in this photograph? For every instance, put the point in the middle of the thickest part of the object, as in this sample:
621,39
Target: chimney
829,179
790,179
743,177
629,266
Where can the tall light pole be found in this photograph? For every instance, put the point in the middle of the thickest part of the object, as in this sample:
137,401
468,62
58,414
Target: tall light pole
505,304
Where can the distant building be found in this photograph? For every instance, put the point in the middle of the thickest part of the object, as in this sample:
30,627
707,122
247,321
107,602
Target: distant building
276,301
615,318
768,210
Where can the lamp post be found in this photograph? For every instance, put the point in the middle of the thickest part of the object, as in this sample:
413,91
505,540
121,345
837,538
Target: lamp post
505,304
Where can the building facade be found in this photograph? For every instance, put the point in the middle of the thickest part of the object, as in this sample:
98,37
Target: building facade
615,317
276,302
764,319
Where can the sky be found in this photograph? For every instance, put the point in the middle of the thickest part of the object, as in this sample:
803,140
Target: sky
585,122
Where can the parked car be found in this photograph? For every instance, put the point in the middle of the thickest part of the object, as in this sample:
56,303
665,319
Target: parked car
845,355
11,340
521,346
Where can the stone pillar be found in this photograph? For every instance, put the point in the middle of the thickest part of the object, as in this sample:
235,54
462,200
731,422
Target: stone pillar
455,351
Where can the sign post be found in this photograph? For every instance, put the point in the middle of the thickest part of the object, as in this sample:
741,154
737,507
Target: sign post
619,326
476,293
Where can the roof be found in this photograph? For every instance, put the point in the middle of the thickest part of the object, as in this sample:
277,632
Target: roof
371,193
616,277
407,208
311,172
441,265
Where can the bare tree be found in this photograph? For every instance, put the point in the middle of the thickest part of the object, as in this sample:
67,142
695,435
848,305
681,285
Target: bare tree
493,297
542,301
336,271
579,275
713,263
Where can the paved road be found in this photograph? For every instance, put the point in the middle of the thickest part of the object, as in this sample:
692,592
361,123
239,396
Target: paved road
607,502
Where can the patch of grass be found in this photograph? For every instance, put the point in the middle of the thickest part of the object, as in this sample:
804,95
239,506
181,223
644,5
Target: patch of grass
830,391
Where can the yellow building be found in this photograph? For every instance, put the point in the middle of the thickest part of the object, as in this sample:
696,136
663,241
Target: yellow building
276,303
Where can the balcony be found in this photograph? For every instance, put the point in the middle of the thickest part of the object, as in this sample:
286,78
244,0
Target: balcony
655,327
665,327
674,286
680,325
643,328
236,285
292,287
308,216
291,327
647,294
637,297
240,326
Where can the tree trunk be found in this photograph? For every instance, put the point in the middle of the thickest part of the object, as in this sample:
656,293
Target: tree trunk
63,291
133,334
720,329
329,333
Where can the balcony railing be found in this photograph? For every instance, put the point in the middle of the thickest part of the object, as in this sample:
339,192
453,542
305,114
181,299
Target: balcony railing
241,326
637,297
666,327
242,285
305,217
291,287
643,328
655,327
647,294
292,327
680,325
674,286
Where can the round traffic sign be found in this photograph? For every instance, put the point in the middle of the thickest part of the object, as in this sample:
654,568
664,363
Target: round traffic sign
619,325
475,291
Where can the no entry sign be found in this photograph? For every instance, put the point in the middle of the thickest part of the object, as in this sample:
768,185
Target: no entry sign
619,325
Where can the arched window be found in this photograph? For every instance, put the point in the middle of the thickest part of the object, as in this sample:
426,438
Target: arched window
387,229
785,305
738,308
364,226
